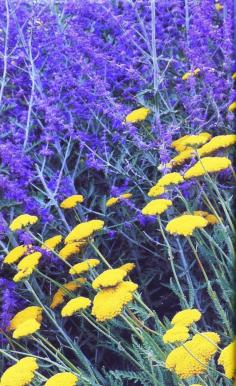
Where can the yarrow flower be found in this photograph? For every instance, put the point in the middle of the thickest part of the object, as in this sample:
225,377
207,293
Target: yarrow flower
156,207
71,249
156,190
65,379
175,334
181,158
114,200
15,254
31,312
22,221
186,317
127,267
84,266
52,242
216,143
170,179
185,225
227,359
232,107
207,165
75,305
218,6
189,74
20,374
66,289
186,141
109,278
137,115
84,230
72,201
30,261
211,218
22,274
26,328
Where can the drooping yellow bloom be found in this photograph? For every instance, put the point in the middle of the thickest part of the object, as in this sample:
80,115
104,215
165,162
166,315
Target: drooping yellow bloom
22,274
75,305
181,158
84,266
22,221
52,242
72,201
31,312
15,254
137,115
26,328
71,249
193,357
128,267
227,359
156,190
207,165
114,200
216,143
109,278
187,141
62,379
186,317
30,261
211,218
218,6
185,225
189,74
84,230
157,206
67,288
109,302
20,374
232,107
175,334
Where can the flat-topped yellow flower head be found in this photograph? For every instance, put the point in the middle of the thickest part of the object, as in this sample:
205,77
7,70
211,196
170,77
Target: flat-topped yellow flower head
232,107
170,179
156,207
156,191
216,143
207,165
84,230
75,305
84,266
137,115
185,225
23,221
227,359
71,249
109,278
127,267
115,200
66,289
30,261
52,242
22,274
187,141
175,334
15,254
26,328
20,374
72,201
186,317
31,312
62,379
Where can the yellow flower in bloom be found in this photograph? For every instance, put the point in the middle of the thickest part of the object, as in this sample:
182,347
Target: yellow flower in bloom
65,379
216,143
71,249
195,384
170,178
227,359
72,201
232,107
178,333
52,242
31,312
109,278
22,221
26,328
207,165
211,218
185,225
157,206
156,190
128,267
109,302
190,74
20,374
75,305
186,317
84,230
137,115
181,158
66,289
23,274
15,254
84,266
234,75
186,141
218,6
114,200
30,261
193,357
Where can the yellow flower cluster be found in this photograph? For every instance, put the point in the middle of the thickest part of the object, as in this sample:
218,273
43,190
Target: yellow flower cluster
189,74
181,158
186,317
20,374
84,230
27,265
211,218
22,221
156,207
186,141
218,6
75,305
168,179
109,278
15,254
137,115
216,143
85,266
232,107
114,200
71,249
60,294
31,312
65,379
207,165
127,267
175,334
156,190
72,201
26,328
52,242
227,359
185,225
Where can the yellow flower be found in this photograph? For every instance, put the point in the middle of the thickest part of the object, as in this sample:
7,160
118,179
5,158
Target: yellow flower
216,143
52,242
137,115
170,178
109,302
211,218
75,305
227,359
31,312
66,289
177,333
128,267
156,190
84,266
181,158
190,74
72,201
186,317
218,6
26,328
232,107
114,200
84,230
186,141
65,379
30,261
22,221
20,374
71,249
234,75
157,206
109,278
207,165
15,254
185,225
23,274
